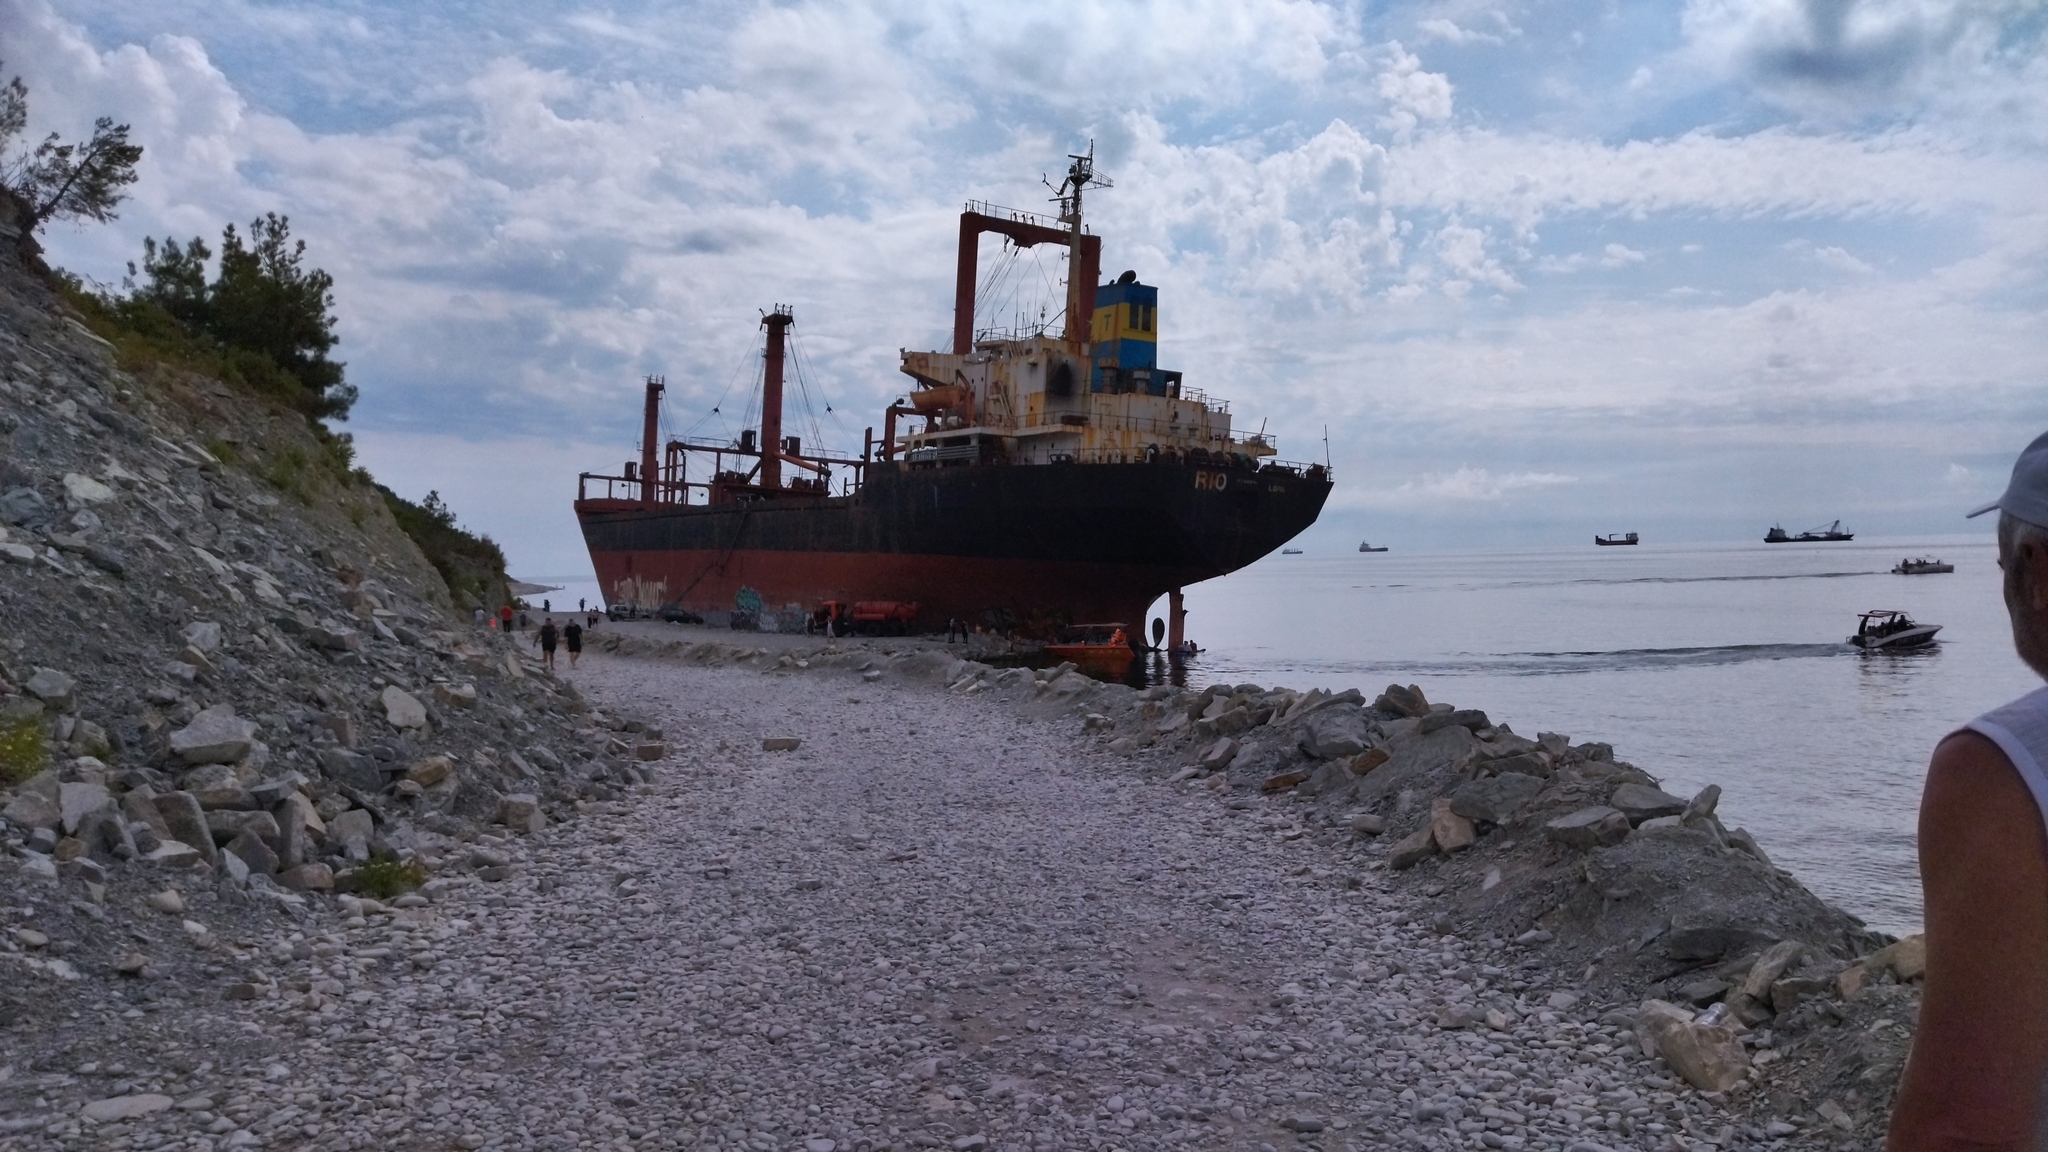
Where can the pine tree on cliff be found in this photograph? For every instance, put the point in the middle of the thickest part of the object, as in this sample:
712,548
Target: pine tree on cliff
263,300
60,181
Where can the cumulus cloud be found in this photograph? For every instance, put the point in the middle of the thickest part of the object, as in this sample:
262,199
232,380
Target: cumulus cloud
1414,97
525,218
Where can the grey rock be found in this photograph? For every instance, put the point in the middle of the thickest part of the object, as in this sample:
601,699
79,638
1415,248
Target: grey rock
1589,827
1331,733
186,821
1367,824
1525,763
215,736
1712,939
402,709
1471,718
23,506
125,1107
1640,802
35,804
217,786
204,635
1217,756
1495,799
226,824
76,801
1401,701
521,812
350,833
55,689
352,768
253,852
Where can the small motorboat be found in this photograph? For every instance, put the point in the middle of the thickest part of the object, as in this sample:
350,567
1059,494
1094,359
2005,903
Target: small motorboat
1290,551
1617,539
1096,648
1365,547
1922,566
1888,629
1829,534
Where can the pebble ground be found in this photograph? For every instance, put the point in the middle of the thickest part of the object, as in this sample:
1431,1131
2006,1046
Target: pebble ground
939,923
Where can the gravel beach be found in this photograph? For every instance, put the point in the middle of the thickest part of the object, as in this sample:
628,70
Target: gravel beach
938,922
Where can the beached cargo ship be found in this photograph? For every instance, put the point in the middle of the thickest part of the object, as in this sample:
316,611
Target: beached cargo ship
1034,480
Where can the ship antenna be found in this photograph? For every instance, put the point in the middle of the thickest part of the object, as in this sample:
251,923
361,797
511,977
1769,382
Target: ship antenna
1081,175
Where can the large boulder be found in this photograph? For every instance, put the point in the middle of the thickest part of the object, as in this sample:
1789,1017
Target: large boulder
215,736
1451,831
349,834
56,690
402,709
1333,732
1593,827
218,786
226,824
76,801
1707,1055
1640,802
352,768
1495,799
1401,701
1416,758
35,803
186,821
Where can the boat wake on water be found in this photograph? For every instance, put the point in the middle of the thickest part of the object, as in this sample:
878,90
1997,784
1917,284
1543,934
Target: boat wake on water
1566,663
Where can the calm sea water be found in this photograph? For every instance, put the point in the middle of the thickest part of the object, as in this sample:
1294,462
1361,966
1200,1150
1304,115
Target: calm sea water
1702,664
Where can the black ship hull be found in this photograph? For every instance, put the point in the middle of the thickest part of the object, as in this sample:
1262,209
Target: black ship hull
999,545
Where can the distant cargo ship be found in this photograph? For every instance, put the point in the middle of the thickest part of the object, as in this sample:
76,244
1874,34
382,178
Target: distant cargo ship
1050,479
1830,533
1617,539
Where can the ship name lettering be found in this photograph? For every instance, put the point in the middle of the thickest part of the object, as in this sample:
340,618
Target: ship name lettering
1211,481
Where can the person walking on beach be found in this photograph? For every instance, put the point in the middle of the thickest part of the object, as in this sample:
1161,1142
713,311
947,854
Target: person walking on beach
1980,1052
483,618
505,619
545,641
572,635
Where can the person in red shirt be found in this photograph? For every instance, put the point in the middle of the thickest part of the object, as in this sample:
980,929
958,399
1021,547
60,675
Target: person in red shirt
505,619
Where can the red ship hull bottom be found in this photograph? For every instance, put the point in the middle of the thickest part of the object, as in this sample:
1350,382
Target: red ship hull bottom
943,587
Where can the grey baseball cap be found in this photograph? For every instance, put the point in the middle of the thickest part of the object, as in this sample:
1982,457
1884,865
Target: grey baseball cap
2027,495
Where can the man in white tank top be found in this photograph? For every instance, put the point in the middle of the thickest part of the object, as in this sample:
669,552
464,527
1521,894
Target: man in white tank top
1980,1052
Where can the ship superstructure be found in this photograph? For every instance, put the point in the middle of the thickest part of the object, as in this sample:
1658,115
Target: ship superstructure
1028,479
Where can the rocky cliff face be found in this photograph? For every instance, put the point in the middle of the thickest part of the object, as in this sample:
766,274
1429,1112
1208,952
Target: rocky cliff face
228,681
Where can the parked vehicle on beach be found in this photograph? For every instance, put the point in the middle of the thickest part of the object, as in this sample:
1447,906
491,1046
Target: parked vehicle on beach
1922,566
1617,539
1829,534
1888,629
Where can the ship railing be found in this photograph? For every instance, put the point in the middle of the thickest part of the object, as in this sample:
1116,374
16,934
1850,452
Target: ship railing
1218,459
1020,216
1147,425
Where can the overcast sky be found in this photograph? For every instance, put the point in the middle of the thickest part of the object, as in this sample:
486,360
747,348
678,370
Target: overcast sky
1541,269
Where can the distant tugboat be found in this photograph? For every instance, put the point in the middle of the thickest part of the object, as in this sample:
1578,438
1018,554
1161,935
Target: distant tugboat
1923,566
1365,547
1617,539
1885,628
1832,532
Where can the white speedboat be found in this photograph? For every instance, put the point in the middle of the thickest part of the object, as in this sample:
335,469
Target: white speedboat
1888,629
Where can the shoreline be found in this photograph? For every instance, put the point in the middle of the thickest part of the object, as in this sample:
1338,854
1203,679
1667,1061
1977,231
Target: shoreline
1665,908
